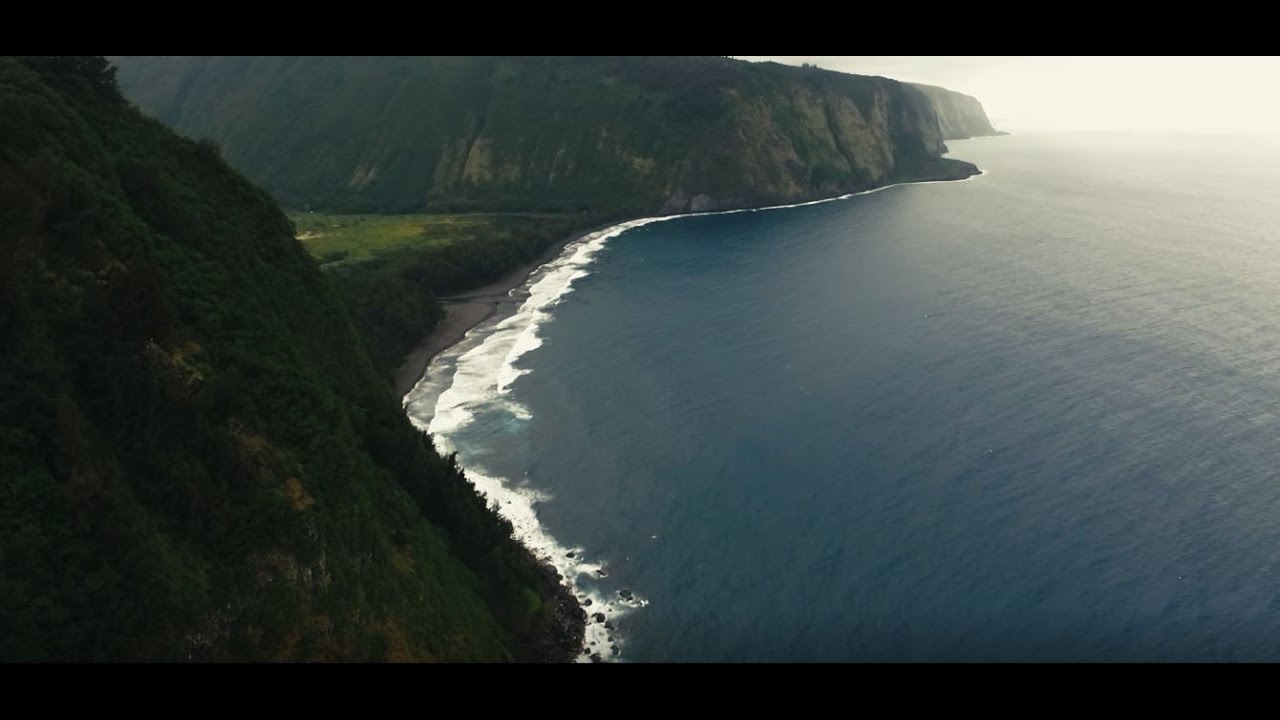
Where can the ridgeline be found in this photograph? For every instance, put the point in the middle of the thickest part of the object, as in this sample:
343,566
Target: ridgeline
627,135
198,460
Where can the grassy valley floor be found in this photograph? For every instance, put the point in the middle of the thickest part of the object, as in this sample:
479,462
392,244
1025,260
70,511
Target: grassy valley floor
416,283
340,239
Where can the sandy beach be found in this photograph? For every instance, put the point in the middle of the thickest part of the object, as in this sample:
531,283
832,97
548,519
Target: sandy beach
459,318
466,310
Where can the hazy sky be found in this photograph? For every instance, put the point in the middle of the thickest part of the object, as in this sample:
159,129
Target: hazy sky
1211,94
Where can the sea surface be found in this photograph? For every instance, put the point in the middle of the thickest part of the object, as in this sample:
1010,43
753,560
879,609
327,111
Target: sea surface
1031,416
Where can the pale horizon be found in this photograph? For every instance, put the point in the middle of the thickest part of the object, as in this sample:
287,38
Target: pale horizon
1124,93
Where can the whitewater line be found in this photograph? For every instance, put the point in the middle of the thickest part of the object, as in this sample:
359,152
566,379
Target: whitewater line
482,379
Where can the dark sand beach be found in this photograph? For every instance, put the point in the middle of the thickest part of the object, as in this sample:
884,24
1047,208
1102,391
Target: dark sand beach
466,310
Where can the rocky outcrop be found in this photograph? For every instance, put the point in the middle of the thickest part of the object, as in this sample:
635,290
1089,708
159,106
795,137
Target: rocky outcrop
960,116
632,135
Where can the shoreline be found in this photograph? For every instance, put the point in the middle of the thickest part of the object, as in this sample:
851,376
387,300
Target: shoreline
573,635
464,311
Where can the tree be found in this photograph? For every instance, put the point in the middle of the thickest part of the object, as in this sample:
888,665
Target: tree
95,70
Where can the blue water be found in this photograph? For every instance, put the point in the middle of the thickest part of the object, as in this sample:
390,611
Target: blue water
1030,416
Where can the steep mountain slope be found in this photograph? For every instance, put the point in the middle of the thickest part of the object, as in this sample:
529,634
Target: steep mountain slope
631,134
197,459
960,116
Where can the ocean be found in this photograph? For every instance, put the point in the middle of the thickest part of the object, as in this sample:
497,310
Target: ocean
1030,416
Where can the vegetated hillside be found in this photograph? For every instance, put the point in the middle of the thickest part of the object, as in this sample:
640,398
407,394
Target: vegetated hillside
635,135
960,116
197,458
390,269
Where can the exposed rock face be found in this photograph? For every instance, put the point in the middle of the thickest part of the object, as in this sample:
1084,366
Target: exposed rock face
960,116
670,134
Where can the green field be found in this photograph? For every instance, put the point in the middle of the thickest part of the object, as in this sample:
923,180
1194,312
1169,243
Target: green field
347,239
390,269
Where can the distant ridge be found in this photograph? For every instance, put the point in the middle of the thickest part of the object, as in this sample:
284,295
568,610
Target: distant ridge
960,116
633,134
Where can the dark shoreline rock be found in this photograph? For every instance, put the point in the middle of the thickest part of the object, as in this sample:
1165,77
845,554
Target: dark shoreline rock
929,169
562,638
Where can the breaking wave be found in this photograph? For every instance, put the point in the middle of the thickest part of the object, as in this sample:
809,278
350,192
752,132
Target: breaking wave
476,375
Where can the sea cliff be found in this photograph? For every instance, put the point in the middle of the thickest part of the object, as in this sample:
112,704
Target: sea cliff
960,116
635,135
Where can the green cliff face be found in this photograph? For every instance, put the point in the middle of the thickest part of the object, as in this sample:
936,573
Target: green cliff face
197,459
960,116
627,134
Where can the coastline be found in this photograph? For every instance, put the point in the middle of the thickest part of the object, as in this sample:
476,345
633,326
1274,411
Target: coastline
562,564
465,311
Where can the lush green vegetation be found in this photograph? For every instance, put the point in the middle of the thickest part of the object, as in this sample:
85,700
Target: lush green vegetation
197,457
335,239
627,135
391,268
